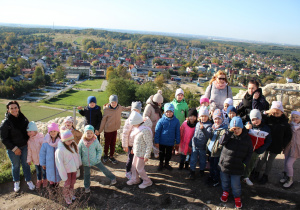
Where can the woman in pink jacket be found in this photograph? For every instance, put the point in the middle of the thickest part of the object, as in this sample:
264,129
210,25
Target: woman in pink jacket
34,143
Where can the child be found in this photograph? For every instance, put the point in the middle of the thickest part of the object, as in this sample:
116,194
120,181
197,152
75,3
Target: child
34,143
292,151
213,146
110,123
236,153
228,102
281,136
187,130
204,101
261,139
180,106
92,113
67,161
69,125
141,149
47,158
198,143
231,112
167,131
90,152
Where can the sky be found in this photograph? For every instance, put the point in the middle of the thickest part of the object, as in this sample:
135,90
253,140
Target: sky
276,21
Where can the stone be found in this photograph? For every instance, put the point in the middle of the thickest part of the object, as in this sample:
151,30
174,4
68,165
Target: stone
285,100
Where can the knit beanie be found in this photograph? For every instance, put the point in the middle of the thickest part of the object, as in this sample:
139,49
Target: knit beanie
32,126
69,119
296,113
218,114
113,98
231,109
135,118
236,122
255,113
203,111
66,136
193,112
169,107
88,128
136,105
277,105
91,99
178,91
204,99
228,101
158,98
53,127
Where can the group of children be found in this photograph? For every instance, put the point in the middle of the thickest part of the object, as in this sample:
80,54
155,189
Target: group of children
203,135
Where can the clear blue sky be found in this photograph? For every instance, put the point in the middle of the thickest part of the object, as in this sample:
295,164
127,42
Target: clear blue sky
264,20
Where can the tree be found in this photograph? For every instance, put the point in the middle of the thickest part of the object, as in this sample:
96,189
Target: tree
150,73
70,61
60,73
191,98
84,56
38,72
159,81
144,91
109,72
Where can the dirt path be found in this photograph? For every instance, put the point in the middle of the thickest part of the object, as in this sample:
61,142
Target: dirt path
169,191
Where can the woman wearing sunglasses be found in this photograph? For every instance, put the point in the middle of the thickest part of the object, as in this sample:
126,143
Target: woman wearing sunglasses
218,90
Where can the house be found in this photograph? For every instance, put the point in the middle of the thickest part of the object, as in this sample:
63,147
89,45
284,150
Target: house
78,70
41,62
132,70
27,71
100,73
80,63
74,77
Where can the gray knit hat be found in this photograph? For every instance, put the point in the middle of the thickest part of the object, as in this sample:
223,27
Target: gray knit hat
136,105
113,98
255,113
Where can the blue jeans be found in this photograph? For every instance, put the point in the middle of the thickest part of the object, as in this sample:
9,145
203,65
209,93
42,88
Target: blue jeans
232,181
100,166
16,160
198,155
214,170
39,172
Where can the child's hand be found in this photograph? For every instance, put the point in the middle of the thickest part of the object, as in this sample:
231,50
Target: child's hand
201,125
97,133
156,145
248,126
79,108
125,149
256,95
146,159
44,167
29,163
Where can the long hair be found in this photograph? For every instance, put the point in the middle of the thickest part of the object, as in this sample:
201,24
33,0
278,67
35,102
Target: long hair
73,145
12,102
214,78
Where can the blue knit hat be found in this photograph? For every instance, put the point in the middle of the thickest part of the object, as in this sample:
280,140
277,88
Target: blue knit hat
91,99
231,109
169,107
32,126
88,128
236,122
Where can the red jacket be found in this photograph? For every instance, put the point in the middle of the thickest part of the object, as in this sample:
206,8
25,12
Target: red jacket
258,137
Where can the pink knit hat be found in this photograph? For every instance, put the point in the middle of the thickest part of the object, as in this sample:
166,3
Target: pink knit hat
66,136
53,127
203,99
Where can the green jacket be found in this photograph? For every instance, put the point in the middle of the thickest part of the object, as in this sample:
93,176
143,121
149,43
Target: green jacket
181,110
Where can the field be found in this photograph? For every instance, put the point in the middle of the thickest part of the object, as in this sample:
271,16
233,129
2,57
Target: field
90,84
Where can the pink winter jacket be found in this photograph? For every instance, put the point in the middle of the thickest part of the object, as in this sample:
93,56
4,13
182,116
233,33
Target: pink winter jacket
127,140
186,135
66,161
34,147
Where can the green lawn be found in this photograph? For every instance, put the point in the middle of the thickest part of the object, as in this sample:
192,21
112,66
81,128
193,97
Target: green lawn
90,84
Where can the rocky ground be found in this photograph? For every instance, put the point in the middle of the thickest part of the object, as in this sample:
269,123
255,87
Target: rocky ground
169,191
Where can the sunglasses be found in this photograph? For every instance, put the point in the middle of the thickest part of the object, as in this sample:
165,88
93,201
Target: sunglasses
221,78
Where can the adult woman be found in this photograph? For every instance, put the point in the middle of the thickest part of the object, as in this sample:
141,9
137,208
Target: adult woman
218,90
14,137
253,99
153,111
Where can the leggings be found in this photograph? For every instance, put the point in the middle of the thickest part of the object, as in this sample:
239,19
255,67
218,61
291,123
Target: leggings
267,155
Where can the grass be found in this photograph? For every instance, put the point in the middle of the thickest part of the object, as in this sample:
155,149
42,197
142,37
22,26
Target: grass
90,84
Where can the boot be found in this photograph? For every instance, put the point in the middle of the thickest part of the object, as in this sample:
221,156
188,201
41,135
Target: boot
255,175
201,173
284,178
181,166
191,176
186,165
45,183
264,179
288,183
160,167
38,184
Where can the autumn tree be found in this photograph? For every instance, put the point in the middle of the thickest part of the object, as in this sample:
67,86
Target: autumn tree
159,81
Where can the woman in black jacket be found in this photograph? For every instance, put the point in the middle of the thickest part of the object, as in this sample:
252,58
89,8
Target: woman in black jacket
14,136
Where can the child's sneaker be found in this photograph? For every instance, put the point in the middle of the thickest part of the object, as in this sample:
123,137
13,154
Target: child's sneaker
16,186
181,166
45,183
87,190
128,175
288,183
73,198
105,159
132,182
144,185
264,179
191,175
238,203
38,184
167,166
113,160
68,201
113,182
224,197
160,167
284,178
248,181
30,185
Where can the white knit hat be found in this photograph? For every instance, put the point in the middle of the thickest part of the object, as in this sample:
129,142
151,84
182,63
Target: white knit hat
277,105
295,112
69,119
178,91
228,101
135,118
203,111
158,98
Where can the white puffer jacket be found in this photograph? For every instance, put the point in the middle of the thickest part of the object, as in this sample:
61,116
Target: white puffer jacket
143,142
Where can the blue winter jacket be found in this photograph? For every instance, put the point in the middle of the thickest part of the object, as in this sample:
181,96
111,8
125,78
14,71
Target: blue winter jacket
201,136
92,155
167,130
47,158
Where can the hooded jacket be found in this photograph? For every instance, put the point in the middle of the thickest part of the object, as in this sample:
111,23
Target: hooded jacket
201,136
47,158
91,155
293,148
93,116
181,110
167,131
213,144
150,112
186,135
143,142
34,146
236,152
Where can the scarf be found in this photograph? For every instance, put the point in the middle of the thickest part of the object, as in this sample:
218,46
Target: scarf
219,86
48,139
191,125
295,126
90,142
156,108
215,127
